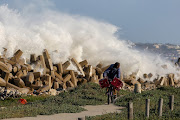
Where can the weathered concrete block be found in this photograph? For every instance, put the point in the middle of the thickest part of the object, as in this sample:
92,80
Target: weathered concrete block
140,80
55,85
165,82
84,81
2,82
52,92
66,65
9,66
29,67
32,58
67,78
88,72
48,61
59,76
24,72
59,81
53,74
60,68
133,82
7,76
44,88
41,58
4,67
48,81
78,66
37,75
11,62
21,61
24,67
104,68
150,75
69,84
55,68
161,81
83,63
38,83
73,78
18,67
3,60
176,81
99,65
48,71
128,81
98,71
15,69
35,87
145,76
17,56
19,74
19,82
93,71
22,90
30,77
64,86
137,88
171,79
94,79
100,76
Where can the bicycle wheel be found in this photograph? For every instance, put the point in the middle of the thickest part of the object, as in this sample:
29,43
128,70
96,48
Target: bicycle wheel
112,96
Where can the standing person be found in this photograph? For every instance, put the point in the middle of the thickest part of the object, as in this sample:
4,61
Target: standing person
178,63
111,72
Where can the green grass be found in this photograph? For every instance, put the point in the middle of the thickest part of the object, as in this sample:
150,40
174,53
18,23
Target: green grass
65,102
139,105
92,94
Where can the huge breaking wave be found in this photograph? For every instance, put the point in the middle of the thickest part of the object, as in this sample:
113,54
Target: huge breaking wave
66,36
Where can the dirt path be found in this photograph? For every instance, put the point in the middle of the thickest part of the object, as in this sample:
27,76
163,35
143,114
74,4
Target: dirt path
91,111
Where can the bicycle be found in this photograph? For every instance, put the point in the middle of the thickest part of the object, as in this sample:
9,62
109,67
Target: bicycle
111,86
110,94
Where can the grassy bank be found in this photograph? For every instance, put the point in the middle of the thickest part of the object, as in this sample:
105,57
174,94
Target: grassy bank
66,102
139,105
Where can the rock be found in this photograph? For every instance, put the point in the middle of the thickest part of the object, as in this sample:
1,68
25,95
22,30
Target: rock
137,88
52,92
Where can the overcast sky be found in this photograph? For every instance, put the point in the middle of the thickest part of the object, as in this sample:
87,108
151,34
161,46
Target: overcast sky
152,21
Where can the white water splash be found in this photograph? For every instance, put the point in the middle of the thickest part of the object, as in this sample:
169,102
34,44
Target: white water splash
66,36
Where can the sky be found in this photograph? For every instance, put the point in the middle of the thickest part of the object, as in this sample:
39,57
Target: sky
146,21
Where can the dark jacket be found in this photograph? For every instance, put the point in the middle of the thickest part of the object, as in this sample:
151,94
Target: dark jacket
108,72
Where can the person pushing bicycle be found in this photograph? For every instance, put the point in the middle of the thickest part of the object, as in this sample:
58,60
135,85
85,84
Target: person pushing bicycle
112,72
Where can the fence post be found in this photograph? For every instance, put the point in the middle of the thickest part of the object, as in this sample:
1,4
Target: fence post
160,106
147,107
171,102
81,118
130,110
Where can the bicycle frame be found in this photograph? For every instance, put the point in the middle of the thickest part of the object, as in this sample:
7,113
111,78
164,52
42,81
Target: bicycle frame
110,94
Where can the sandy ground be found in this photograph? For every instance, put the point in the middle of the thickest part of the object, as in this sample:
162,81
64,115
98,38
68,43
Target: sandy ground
91,111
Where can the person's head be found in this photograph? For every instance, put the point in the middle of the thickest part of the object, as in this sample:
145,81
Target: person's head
117,65
178,60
